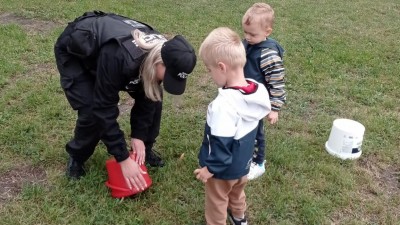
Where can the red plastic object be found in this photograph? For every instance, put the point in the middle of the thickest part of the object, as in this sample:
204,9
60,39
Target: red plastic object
116,181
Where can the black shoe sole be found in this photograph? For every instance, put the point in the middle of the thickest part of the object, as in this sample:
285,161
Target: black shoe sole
74,176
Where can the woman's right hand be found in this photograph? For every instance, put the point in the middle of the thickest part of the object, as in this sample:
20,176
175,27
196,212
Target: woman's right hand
139,148
133,174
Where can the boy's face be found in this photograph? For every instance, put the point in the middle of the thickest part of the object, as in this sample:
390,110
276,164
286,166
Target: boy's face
217,74
255,33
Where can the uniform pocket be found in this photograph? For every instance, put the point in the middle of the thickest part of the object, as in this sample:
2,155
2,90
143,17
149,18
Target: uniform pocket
82,43
70,70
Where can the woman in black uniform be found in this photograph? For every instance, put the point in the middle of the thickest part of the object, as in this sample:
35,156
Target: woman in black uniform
100,54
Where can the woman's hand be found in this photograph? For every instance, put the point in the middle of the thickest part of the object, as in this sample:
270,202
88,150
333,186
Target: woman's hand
133,174
139,148
203,174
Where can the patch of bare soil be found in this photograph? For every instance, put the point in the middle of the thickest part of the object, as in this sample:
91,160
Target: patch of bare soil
43,68
32,26
125,106
386,177
382,190
12,181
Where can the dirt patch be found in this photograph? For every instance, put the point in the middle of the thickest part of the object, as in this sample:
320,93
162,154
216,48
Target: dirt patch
391,180
125,106
32,26
386,177
12,181
383,189
43,68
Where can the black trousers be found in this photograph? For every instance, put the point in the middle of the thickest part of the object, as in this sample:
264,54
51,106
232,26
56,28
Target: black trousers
78,83
260,138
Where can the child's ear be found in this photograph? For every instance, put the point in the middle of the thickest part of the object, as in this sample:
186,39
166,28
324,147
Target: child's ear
221,66
268,31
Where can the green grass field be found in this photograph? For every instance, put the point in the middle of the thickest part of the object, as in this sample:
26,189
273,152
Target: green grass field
342,61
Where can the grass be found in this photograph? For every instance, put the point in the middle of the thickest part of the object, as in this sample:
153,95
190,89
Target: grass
342,61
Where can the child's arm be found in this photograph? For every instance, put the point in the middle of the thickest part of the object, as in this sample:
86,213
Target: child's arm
274,73
217,155
203,174
215,151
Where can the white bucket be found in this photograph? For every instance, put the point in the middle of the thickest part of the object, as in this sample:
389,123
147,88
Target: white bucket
345,139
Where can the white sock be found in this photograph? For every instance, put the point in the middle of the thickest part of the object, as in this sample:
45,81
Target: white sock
238,219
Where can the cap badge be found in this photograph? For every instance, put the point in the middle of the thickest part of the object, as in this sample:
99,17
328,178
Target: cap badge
183,75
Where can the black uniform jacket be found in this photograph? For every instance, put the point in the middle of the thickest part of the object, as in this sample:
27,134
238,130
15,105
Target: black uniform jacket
106,47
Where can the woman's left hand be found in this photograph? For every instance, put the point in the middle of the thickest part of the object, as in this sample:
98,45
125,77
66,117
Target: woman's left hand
139,148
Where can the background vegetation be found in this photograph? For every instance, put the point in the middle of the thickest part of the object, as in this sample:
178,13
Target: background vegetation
342,60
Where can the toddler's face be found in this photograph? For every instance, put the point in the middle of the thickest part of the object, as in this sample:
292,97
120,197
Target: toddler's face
254,33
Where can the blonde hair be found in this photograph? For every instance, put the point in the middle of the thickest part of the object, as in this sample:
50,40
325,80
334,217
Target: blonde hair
260,13
223,44
151,84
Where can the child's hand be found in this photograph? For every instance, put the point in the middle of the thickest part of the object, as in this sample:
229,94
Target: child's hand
203,174
272,117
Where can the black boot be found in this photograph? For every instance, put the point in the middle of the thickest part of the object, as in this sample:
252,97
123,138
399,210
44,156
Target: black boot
153,159
75,169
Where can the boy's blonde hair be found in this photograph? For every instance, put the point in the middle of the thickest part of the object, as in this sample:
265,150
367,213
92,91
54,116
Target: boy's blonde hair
260,13
151,85
223,45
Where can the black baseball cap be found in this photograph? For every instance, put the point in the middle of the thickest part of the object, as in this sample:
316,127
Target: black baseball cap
179,59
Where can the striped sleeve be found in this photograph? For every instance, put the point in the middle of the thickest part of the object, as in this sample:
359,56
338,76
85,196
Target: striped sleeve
274,72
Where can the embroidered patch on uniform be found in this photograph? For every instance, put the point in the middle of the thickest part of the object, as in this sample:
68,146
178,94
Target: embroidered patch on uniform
151,38
132,84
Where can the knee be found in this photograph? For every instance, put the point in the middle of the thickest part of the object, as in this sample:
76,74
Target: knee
86,116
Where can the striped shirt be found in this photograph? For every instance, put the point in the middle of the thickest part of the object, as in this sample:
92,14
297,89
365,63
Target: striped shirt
271,65
265,65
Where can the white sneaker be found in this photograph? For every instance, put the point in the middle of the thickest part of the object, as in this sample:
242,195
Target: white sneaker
256,170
